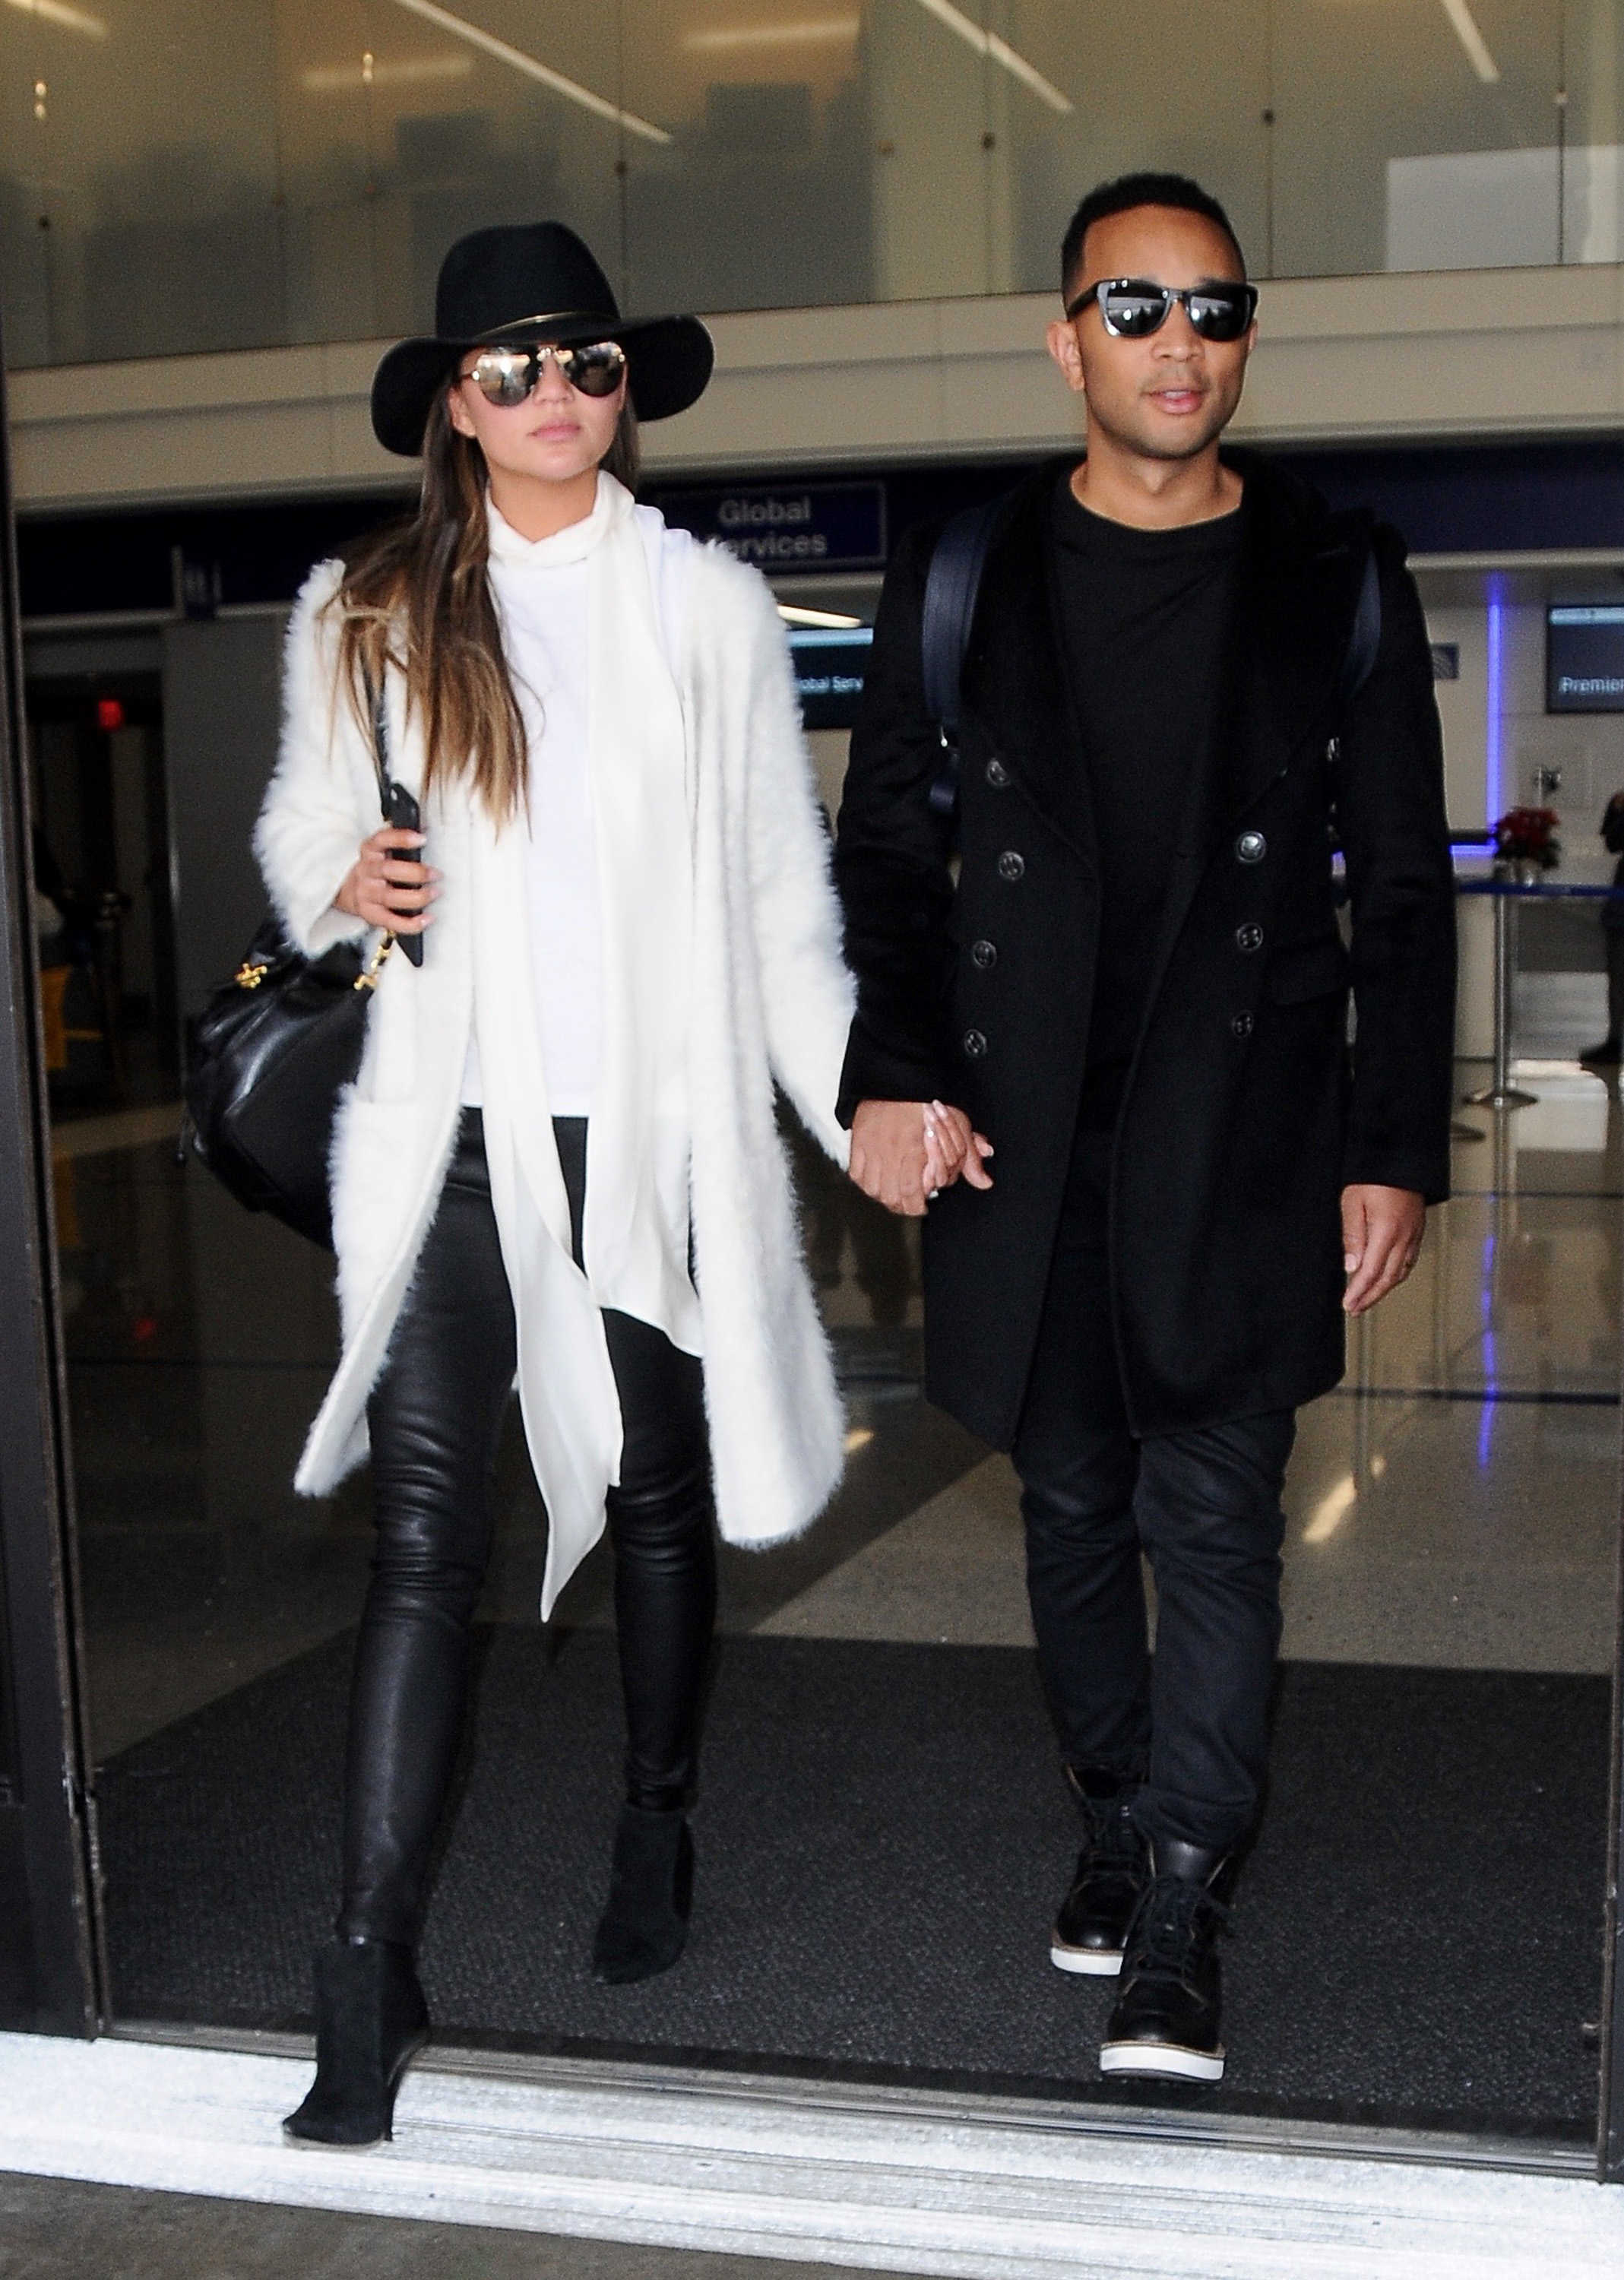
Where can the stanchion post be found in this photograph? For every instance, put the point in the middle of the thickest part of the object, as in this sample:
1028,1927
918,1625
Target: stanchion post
1503,1093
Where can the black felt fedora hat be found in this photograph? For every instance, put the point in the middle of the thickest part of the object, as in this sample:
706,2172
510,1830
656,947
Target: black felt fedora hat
533,281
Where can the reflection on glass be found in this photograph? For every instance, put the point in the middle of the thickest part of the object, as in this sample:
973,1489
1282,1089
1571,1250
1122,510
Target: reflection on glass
176,176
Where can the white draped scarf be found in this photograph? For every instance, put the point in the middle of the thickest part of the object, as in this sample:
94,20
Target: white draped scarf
636,1235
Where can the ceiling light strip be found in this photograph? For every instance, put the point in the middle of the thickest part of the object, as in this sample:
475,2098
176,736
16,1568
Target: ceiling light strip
723,39
70,18
517,60
988,44
410,71
1473,40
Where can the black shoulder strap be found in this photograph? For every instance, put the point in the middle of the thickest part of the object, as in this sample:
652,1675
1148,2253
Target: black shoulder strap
1358,658
1365,639
380,741
951,587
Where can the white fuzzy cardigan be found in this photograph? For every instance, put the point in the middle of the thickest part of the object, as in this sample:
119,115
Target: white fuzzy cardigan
771,999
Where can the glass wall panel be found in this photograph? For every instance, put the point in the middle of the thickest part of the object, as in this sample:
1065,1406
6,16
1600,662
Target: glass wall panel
402,130
145,153
749,153
177,176
1185,90
1415,135
1593,177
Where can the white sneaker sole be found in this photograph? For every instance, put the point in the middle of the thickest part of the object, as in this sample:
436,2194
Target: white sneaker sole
1164,2059
1091,1962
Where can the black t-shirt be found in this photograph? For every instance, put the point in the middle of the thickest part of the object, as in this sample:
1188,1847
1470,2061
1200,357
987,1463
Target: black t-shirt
1143,617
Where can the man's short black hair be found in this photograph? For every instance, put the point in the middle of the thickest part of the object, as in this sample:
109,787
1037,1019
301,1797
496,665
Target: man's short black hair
1145,189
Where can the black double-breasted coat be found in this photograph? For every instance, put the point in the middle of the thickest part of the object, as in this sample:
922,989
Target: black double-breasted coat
974,943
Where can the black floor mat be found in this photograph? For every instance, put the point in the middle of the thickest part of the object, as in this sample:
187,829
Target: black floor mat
882,1842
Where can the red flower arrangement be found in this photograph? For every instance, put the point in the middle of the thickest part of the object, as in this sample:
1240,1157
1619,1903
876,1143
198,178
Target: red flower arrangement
1527,835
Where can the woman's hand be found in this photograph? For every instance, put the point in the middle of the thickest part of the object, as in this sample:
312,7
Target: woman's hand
954,1148
904,1151
385,887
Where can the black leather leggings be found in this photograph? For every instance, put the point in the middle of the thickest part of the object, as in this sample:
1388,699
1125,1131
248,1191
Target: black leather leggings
435,1419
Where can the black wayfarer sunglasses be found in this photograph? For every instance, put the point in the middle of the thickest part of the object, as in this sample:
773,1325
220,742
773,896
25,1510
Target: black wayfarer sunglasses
507,376
1133,308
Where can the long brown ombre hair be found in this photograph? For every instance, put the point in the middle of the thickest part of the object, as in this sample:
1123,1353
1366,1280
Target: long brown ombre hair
423,579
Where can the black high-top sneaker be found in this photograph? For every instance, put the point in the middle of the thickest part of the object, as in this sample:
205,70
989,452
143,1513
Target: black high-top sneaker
1166,2021
1113,1868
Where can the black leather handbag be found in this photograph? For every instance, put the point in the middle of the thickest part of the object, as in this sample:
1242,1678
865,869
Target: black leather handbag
268,1056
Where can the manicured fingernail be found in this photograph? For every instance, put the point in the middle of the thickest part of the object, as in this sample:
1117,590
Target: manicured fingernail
1349,1263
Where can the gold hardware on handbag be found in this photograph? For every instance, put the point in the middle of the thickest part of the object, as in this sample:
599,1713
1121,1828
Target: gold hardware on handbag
251,973
368,978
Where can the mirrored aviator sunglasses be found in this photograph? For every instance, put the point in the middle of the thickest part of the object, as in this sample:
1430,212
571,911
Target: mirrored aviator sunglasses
507,376
1133,308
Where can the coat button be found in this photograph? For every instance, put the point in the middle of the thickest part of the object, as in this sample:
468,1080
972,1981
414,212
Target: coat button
1011,866
1252,847
984,954
1249,938
1241,1026
974,1045
998,774
1333,750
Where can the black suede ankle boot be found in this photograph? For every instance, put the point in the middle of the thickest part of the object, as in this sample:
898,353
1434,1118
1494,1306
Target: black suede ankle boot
370,2020
645,1927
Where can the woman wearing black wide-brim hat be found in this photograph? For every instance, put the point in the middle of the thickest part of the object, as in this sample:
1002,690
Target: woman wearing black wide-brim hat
558,1164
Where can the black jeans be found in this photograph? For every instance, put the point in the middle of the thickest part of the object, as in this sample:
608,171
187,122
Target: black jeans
1204,1505
436,1417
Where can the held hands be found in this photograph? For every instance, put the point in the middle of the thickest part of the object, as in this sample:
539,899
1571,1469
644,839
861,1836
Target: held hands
1382,1231
385,887
904,1151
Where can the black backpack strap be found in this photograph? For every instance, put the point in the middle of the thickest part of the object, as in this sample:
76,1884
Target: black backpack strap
1360,659
951,587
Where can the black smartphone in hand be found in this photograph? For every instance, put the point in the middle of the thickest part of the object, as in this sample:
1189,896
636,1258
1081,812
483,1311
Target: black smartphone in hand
404,815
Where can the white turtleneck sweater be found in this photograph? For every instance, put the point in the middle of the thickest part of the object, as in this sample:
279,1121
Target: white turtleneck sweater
540,587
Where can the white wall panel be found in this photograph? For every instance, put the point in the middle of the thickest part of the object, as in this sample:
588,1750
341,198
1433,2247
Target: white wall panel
1526,352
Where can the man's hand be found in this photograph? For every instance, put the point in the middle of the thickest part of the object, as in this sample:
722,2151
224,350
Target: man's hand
903,1152
1382,1231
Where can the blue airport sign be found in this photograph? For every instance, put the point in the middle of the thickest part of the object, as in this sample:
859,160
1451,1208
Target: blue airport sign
788,527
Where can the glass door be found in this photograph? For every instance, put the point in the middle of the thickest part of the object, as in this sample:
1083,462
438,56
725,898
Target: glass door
48,1979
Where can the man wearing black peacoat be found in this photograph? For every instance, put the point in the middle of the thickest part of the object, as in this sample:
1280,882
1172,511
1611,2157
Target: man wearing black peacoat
1246,1115
1138,1312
